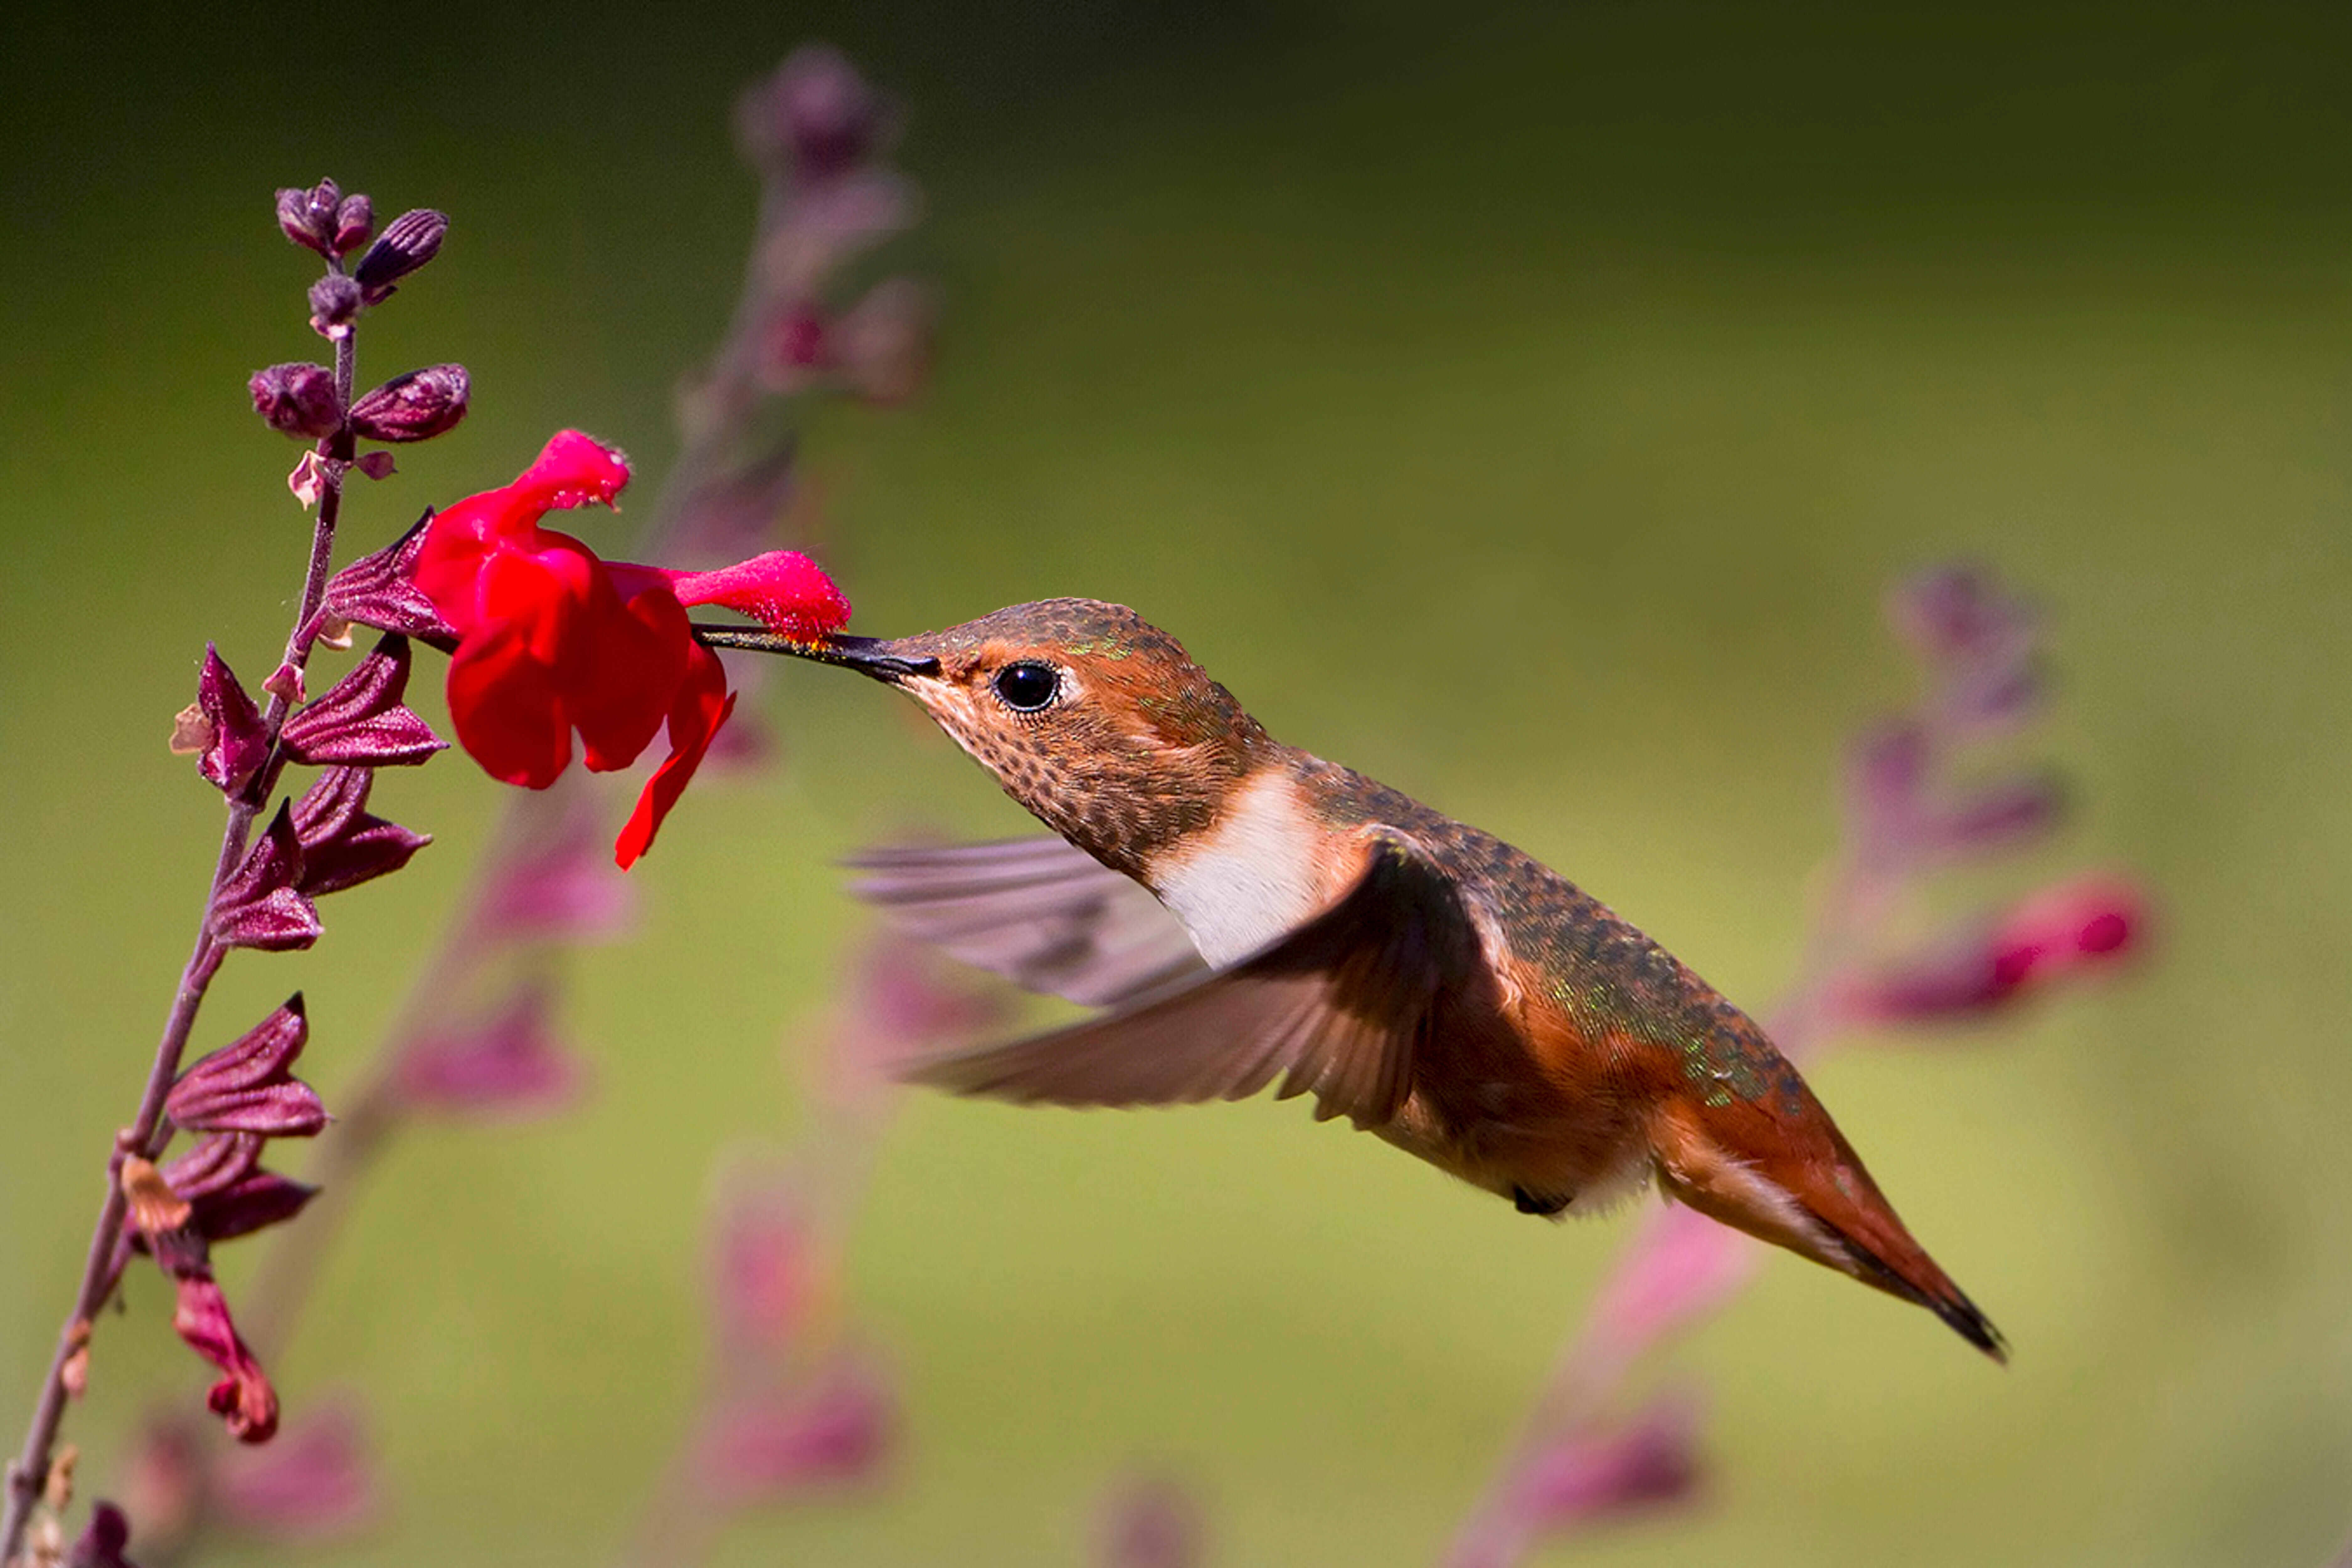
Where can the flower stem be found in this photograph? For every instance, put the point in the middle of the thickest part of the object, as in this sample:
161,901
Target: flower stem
147,1132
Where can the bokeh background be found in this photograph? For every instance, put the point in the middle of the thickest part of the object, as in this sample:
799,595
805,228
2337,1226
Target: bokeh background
1526,406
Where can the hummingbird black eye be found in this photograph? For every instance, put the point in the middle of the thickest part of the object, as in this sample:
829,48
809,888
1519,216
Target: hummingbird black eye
1026,688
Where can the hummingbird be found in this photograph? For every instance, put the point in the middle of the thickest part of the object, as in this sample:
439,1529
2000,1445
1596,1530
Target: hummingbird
1247,914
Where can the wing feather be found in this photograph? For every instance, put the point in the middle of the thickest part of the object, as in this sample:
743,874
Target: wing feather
1039,912
1336,1008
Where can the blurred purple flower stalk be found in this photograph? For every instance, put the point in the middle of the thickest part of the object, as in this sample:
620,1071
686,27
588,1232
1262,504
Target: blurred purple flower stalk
263,890
795,1406
1916,802
476,1038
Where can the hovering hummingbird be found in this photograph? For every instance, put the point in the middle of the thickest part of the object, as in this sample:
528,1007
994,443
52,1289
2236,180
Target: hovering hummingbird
1439,988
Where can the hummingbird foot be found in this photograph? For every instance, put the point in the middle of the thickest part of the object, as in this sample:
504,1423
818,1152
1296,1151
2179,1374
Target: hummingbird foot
1551,1205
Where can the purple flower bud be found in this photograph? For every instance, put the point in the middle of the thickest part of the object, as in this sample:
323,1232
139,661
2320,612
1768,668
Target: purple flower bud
261,904
248,1087
816,116
298,400
407,243
415,406
361,719
308,217
342,845
252,1203
240,742
326,199
334,305
101,1545
381,591
316,1481
354,221
508,1065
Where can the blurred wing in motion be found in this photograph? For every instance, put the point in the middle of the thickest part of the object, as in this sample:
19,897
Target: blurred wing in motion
1337,1007
1043,914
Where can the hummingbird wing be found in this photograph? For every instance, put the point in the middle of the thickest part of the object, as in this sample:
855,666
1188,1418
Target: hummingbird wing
1338,1006
1042,912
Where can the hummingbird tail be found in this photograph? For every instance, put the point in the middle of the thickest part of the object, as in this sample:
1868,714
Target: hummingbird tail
1812,1197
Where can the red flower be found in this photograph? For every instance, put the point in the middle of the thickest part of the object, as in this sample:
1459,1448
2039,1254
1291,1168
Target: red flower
552,639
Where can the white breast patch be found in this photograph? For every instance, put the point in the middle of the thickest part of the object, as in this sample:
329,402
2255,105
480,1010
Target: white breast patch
1255,875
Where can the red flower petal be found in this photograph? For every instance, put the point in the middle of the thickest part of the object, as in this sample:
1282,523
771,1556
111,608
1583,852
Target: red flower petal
571,471
632,657
508,715
703,704
785,589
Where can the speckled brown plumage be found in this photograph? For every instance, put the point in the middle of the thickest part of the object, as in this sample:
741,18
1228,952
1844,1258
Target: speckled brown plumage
1121,776
1435,985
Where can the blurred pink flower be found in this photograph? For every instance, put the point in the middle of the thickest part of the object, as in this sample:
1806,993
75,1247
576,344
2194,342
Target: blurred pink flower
1150,1522
1680,1267
163,1476
559,887
2073,927
508,1065
1583,1476
774,1444
901,996
1649,1462
316,1481
768,1265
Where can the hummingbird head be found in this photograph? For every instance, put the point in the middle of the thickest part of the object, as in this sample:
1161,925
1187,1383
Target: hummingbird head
1092,718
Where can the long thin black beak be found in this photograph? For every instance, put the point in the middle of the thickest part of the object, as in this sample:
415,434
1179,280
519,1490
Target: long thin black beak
867,655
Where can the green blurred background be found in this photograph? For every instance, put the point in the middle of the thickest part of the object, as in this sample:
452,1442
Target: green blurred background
1528,407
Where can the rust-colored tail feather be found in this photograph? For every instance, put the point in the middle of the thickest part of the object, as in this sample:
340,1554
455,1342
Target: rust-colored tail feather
1759,1173
1918,1279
